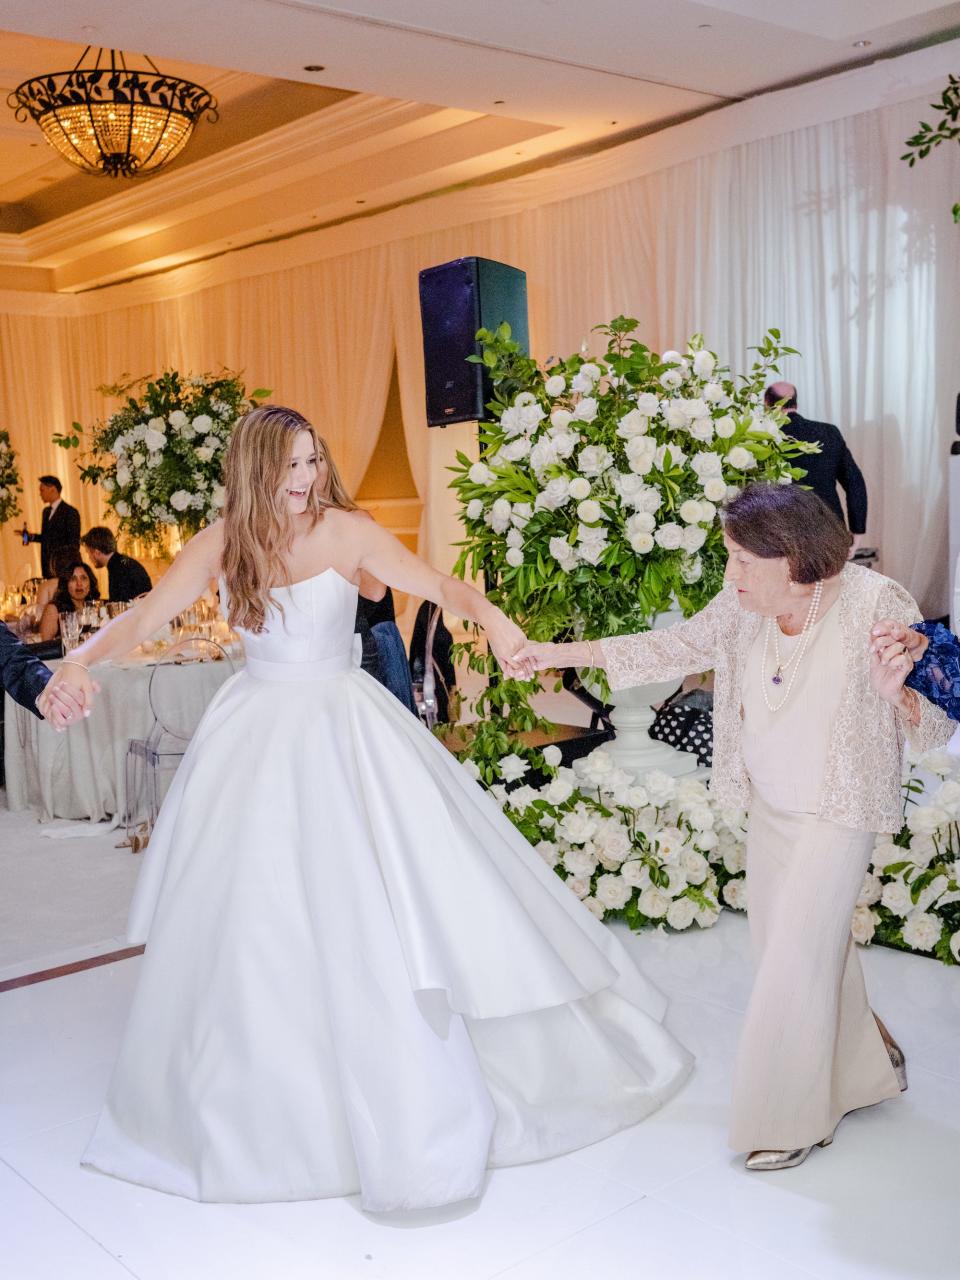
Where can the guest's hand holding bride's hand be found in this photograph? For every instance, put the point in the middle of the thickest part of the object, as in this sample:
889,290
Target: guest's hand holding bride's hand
887,677
539,656
69,695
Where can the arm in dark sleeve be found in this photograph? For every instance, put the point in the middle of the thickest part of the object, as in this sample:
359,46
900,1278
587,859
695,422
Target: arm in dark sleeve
852,482
23,676
936,676
72,524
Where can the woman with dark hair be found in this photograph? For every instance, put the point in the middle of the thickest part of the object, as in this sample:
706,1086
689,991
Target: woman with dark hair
75,587
804,739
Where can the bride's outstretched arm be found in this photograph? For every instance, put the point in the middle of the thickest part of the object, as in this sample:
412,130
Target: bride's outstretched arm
386,558
183,583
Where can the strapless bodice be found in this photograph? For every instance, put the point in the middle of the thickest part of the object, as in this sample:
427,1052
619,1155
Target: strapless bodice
313,635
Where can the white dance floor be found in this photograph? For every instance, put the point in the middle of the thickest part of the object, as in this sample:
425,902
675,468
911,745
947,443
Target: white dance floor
666,1199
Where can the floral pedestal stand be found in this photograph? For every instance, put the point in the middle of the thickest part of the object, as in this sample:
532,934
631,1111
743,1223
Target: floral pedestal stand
633,748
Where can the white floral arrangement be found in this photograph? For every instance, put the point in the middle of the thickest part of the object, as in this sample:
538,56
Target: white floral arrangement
653,851
11,488
159,458
594,507
911,895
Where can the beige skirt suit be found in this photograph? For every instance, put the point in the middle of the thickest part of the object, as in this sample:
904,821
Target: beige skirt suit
819,775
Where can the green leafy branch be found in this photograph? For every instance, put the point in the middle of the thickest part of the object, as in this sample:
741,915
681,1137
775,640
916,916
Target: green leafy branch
946,129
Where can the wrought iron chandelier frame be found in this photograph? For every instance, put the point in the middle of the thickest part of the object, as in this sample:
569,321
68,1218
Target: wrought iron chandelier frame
181,103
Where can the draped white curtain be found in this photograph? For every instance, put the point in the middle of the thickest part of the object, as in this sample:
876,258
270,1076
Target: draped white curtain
821,232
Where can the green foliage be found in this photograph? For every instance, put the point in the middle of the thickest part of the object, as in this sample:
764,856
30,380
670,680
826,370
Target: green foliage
11,487
946,129
159,457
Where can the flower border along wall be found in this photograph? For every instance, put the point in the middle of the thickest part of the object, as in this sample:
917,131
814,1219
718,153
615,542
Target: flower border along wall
159,457
11,487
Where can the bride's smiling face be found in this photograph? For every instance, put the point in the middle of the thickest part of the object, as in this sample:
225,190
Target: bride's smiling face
302,473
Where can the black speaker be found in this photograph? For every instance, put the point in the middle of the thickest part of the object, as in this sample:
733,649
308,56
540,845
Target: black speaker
456,299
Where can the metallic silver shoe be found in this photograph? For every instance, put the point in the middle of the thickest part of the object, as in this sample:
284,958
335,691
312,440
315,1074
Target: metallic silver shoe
767,1161
896,1055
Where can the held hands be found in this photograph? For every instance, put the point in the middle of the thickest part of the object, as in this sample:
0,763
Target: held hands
891,639
538,656
68,697
507,642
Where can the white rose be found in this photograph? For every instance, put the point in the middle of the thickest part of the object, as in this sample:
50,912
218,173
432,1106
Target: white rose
641,543
579,489
653,904
555,385
741,458
154,440
515,450
576,828
474,509
514,557
124,476
706,918
725,427
594,459
706,464
121,508
942,763
702,430
564,442
594,907
672,357
581,383
202,423
480,473
177,419
864,925
636,873
695,866
640,522
648,404
579,862
512,767
580,885
472,769
595,768
675,416
703,364
735,859
521,798
181,500
641,452
713,392
204,454
633,424
922,931
108,484
669,536
955,945
566,556
218,495
552,756
554,495
589,511
896,898
693,538
661,788
735,894
591,371
548,851
543,454
714,490
613,892
870,891
531,415
500,514
681,913
586,410
926,819
561,418
558,790
690,511
671,380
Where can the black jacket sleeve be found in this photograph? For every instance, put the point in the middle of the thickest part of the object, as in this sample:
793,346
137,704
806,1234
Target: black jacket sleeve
71,527
851,480
23,676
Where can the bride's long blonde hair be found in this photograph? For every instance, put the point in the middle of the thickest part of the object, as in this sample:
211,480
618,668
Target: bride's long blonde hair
258,529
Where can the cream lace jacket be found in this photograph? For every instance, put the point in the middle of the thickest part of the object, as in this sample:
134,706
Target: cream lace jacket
865,756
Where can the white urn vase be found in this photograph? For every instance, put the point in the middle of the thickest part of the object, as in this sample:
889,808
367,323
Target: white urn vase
633,714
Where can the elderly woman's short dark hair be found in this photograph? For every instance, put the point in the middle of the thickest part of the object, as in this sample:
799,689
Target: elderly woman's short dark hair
786,520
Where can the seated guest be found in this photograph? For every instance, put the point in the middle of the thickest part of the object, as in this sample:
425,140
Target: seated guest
60,557
77,586
128,578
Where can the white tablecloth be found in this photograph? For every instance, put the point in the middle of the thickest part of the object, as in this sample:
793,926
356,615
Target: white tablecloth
80,773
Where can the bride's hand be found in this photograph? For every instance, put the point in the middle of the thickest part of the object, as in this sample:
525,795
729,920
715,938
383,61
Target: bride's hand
69,695
506,640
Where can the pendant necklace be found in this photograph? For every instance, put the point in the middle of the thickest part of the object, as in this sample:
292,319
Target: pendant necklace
787,669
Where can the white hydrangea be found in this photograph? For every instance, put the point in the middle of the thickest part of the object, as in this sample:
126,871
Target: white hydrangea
514,557
579,488
589,511
474,509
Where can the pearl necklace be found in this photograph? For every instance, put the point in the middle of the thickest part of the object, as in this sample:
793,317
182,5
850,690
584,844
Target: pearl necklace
792,664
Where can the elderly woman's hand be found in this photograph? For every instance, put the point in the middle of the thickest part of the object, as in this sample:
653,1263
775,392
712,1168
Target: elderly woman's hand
890,639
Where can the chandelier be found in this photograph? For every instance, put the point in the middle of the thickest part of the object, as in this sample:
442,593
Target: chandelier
112,118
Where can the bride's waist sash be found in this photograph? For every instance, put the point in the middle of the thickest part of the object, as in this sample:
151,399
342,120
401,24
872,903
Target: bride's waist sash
293,672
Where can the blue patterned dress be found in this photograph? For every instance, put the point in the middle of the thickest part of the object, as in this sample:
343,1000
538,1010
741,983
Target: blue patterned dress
937,675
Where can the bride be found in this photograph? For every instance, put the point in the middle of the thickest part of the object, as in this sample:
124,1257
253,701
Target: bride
358,975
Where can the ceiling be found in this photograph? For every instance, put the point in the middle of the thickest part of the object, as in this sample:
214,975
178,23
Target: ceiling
415,96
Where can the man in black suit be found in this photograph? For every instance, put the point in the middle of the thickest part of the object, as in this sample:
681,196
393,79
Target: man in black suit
128,578
833,465
59,526
25,678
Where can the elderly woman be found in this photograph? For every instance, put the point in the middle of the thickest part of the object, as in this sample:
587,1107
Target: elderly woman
805,741
926,657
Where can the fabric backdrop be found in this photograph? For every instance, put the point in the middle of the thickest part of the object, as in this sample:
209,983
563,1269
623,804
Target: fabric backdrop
819,231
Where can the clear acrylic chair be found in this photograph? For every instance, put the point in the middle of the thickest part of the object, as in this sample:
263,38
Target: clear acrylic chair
151,760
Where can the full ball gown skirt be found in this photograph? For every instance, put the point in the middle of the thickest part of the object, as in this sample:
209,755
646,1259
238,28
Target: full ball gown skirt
358,976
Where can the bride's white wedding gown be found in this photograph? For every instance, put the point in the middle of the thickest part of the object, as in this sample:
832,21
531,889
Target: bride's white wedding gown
358,975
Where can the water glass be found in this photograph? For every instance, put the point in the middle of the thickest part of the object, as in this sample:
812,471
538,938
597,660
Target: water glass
69,631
